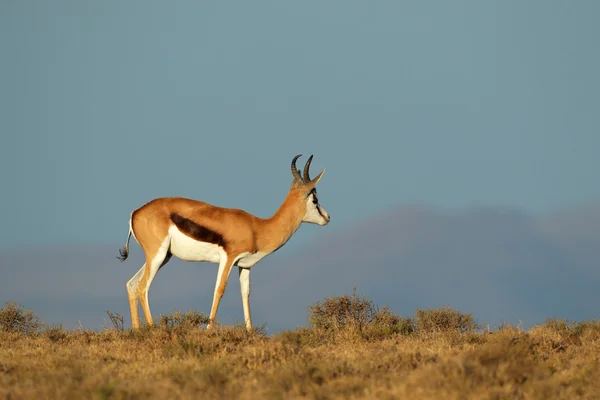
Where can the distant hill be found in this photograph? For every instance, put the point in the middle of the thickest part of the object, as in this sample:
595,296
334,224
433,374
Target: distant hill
500,264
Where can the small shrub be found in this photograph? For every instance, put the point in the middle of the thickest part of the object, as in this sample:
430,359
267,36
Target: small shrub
15,318
179,320
386,323
443,320
562,326
355,312
336,313
56,333
571,328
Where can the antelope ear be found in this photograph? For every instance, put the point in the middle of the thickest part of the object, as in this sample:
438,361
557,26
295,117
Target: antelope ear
311,185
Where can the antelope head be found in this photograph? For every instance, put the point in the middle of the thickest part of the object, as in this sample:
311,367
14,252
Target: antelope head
307,191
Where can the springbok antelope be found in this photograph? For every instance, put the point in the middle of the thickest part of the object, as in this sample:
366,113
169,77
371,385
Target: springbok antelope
196,231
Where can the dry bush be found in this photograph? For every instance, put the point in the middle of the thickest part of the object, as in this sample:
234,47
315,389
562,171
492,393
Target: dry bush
572,328
385,324
339,312
183,321
17,319
444,319
356,314
56,333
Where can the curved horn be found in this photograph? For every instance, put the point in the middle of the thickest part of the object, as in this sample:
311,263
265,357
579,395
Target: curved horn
295,172
306,168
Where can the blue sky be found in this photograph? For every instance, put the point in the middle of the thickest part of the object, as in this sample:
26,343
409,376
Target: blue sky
106,105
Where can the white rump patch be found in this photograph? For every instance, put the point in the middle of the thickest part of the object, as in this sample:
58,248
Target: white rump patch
188,249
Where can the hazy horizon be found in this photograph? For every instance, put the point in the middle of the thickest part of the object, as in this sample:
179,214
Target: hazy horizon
501,264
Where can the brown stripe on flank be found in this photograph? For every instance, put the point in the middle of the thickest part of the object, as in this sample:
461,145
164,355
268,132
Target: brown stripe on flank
198,232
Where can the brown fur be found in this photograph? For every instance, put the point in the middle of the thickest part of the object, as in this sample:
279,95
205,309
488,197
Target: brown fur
242,231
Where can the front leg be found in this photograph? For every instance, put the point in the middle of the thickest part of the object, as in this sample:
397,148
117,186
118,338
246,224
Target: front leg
245,289
224,269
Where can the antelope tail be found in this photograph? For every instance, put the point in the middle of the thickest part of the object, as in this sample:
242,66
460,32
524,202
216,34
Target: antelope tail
124,251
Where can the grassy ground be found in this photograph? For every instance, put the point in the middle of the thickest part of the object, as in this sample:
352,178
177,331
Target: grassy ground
350,350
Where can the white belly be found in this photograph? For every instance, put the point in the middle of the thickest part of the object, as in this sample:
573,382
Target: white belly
188,249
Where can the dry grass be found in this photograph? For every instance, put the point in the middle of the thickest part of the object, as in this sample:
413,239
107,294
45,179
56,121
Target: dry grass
351,350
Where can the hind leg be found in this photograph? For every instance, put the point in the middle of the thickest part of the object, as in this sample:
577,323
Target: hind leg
132,285
161,257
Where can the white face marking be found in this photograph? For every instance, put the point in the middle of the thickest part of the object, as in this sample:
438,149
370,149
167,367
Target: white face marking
247,260
315,214
188,249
